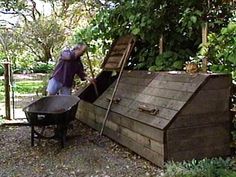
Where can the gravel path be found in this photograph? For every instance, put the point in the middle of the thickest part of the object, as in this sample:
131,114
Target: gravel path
82,156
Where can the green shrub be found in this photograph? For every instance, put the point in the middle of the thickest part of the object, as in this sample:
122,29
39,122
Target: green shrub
41,67
167,61
27,86
216,167
221,50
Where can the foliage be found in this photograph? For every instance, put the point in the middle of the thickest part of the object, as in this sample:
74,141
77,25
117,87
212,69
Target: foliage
215,167
168,61
92,60
41,67
178,21
40,33
221,50
41,36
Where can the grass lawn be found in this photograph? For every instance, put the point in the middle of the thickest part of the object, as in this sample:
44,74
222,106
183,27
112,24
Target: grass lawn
22,87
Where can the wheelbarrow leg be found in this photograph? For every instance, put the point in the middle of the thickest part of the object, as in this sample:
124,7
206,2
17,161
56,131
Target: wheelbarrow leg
63,135
32,136
63,138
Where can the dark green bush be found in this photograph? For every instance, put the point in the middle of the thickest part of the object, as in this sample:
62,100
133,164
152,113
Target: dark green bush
41,67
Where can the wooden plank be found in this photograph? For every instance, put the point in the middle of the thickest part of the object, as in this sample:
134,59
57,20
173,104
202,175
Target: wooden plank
200,153
123,92
135,146
162,102
181,77
133,125
103,101
111,65
178,86
197,143
139,127
151,91
135,136
192,120
139,74
115,53
147,153
120,47
163,112
135,81
201,106
191,132
154,121
213,95
148,131
166,93
113,126
218,82
157,147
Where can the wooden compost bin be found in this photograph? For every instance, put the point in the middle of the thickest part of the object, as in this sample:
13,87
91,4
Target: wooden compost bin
192,120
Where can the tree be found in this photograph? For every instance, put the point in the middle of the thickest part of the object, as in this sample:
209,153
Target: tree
179,22
44,34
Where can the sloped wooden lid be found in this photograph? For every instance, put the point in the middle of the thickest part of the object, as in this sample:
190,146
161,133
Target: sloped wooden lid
118,53
164,92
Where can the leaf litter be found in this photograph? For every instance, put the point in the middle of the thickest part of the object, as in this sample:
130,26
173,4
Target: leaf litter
80,157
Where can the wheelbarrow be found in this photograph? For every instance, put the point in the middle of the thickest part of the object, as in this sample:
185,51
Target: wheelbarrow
57,111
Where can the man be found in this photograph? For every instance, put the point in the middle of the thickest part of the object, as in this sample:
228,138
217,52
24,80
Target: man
69,65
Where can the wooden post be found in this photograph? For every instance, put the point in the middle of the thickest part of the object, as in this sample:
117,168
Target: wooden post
7,90
161,44
204,41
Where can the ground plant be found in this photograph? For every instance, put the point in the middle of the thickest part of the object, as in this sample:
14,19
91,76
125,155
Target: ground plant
215,167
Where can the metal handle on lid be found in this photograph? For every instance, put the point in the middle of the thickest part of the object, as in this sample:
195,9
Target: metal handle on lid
144,108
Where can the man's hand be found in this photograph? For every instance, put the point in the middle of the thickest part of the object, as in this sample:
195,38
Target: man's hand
91,80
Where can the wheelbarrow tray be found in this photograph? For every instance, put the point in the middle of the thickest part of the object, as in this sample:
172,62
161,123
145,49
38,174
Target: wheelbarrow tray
52,110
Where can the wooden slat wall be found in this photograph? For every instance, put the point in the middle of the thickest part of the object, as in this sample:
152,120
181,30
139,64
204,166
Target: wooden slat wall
142,139
202,127
202,141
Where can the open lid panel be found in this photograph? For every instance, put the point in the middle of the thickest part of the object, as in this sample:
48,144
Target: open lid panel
119,52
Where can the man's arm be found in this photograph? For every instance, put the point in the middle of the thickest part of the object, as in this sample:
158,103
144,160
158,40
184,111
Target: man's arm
73,54
79,51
